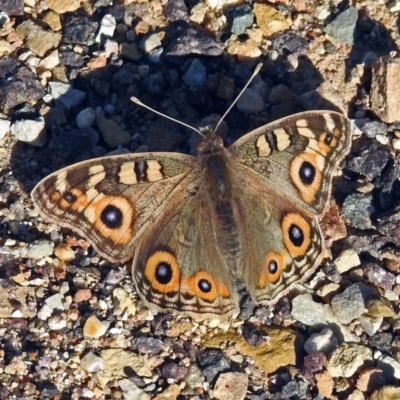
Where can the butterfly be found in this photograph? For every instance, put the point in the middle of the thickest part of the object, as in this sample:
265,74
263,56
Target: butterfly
195,226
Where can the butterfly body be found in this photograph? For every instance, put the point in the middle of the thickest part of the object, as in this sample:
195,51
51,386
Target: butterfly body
194,226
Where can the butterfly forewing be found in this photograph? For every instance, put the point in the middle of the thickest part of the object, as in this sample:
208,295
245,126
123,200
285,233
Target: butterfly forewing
111,201
296,156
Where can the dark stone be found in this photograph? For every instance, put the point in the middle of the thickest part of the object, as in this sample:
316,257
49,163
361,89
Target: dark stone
12,7
290,390
155,84
240,18
18,84
47,390
369,158
389,225
290,42
191,40
212,362
382,341
163,136
118,11
75,141
173,371
71,59
332,273
147,345
247,307
176,10
313,363
79,29
123,76
253,336
102,88
367,243
389,186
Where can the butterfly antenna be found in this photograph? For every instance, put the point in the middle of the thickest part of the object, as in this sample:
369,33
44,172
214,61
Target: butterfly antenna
256,71
138,102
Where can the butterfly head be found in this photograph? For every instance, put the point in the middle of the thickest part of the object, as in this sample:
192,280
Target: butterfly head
210,143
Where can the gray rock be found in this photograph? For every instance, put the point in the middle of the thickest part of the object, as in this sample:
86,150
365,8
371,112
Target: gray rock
71,59
343,26
240,18
389,366
250,102
75,141
12,8
310,313
373,128
92,363
112,134
65,95
55,302
190,40
85,118
30,131
18,84
38,250
130,51
358,208
147,345
131,391
351,303
196,74
212,362
370,324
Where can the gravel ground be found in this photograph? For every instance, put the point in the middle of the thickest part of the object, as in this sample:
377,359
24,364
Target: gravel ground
71,324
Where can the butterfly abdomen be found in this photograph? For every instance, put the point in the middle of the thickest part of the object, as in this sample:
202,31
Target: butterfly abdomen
221,203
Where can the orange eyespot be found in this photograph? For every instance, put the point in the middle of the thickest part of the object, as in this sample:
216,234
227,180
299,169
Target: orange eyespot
305,172
296,233
204,286
113,217
274,264
163,272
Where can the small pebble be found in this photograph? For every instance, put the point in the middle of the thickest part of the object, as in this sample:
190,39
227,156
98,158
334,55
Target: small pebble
94,328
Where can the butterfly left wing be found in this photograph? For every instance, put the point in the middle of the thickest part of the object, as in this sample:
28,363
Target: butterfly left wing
111,201
296,156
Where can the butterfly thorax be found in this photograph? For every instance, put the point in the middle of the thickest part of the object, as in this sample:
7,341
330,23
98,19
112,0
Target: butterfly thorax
214,160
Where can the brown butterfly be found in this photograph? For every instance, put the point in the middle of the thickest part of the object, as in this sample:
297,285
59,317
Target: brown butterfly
194,225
